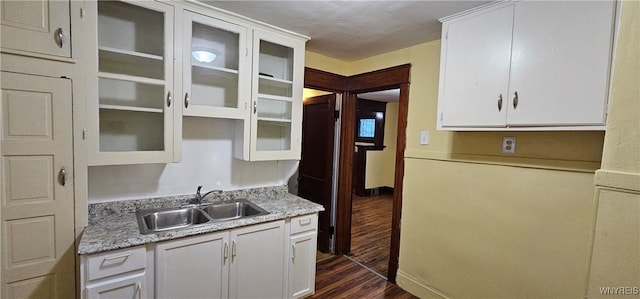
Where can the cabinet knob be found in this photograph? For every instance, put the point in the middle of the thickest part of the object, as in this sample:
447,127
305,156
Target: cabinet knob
515,100
500,103
169,99
255,107
186,100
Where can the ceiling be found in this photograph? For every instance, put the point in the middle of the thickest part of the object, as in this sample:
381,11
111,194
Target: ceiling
352,30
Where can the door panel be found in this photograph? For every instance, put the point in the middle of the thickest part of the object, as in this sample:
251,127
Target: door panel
37,199
316,166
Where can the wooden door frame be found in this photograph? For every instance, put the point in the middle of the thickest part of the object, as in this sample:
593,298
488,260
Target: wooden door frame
389,78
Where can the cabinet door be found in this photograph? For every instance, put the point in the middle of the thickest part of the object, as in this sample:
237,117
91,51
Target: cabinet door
132,287
36,187
302,265
276,121
217,81
195,267
36,26
257,261
131,99
560,66
475,69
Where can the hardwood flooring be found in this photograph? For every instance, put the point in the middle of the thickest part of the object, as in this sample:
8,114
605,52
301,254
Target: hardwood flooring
371,231
339,277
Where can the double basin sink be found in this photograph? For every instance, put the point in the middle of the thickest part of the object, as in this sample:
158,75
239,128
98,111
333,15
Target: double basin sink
158,220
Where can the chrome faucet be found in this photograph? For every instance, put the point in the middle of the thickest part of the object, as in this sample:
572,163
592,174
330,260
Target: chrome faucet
199,197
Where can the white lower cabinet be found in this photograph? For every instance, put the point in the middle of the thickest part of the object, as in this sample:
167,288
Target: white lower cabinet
117,274
195,267
302,256
268,260
242,263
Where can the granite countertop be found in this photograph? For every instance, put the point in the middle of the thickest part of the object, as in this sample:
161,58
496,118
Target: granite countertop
114,225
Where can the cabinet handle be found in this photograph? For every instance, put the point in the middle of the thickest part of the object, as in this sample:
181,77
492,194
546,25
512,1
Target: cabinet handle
139,290
255,107
226,251
63,176
293,252
186,100
233,249
169,99
59,37
117,257
305,221
515,100
500,103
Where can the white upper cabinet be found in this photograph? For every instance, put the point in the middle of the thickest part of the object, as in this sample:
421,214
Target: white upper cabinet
132,111
476,81
527,65
36,27
276,118
217,73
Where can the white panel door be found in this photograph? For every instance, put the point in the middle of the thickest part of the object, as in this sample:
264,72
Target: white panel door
560,62
37,26
478,52
195,267
37,227
302,265
257,261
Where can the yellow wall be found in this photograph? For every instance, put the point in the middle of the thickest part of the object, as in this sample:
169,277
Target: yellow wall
381,165
616,242
477,223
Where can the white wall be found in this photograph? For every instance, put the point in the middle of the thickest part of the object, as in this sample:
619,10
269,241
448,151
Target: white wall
206,160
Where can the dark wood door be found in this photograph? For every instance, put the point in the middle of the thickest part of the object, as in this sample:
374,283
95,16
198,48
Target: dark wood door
316,166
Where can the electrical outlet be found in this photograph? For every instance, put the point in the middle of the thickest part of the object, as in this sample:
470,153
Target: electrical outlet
424,137
509,145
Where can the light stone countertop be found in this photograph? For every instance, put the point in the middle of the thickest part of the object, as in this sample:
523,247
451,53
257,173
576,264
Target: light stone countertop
114,225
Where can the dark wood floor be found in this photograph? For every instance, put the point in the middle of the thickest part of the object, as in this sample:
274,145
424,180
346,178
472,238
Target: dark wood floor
371,231
339,277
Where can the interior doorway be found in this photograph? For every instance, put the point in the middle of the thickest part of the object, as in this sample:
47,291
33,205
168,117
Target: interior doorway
373,178
390,78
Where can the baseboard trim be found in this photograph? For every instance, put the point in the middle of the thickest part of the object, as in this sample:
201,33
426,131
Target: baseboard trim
417,288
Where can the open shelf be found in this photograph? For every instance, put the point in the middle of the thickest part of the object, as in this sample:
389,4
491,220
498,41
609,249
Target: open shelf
130,108
203,65
275,121
137,79
130,53
275,79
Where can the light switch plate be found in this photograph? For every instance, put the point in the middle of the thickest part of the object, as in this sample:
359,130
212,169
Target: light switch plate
424,137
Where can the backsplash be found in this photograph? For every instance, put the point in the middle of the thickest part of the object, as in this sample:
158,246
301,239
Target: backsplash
206,160
130,206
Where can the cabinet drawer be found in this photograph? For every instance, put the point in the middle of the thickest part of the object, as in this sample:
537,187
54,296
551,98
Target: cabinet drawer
115,262
304,223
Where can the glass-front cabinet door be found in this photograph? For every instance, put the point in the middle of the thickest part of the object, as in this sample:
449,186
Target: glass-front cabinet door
276,119
216,76
132,98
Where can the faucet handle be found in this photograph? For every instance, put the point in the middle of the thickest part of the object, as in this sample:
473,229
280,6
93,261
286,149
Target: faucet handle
198,191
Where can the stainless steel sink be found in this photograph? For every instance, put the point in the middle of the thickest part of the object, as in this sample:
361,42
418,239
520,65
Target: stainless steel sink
233,210
152,221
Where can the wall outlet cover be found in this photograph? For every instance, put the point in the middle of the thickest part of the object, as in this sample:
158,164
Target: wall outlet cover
509,145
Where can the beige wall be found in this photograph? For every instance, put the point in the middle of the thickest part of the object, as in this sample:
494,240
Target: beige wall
477,223
616,249
381,165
